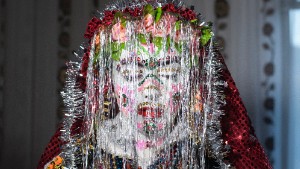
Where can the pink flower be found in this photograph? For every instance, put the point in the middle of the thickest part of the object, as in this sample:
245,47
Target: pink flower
179,35
169,22
165,25
158,32
146,24
148,20
119,32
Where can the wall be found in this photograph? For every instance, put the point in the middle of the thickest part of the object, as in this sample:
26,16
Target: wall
29,70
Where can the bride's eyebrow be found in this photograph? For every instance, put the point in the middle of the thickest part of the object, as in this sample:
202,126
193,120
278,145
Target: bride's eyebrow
142,63
129,61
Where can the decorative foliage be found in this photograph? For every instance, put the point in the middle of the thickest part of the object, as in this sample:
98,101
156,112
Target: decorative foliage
206,35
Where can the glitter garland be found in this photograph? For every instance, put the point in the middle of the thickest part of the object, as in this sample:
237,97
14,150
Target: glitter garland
73,98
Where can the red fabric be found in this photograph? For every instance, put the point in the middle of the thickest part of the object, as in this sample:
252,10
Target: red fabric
246,152
52,150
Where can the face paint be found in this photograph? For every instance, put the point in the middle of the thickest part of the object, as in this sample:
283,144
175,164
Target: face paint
125,99
156,85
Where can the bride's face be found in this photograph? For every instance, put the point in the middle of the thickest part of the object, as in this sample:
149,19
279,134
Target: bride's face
148,91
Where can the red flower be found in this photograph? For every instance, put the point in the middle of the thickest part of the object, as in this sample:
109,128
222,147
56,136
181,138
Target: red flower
188,14
137,12
91,28
132,12
108,14
191,14
169,8
108,17
127,10
183,14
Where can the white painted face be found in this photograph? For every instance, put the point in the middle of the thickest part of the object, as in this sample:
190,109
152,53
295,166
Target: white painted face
149,90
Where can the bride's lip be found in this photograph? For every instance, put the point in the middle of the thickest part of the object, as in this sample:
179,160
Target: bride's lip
150,112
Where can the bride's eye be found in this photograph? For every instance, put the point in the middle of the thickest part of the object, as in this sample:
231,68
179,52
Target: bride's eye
173,77
169,72
131,74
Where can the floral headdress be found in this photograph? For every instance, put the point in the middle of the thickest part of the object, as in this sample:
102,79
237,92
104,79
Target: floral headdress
151,17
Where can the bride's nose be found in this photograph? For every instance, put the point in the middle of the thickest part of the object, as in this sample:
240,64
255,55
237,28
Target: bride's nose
152,93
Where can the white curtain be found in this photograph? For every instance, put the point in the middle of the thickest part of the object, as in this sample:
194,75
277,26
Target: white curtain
253,50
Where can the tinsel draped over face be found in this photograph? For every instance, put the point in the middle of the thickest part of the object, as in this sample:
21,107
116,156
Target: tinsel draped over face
149,92
123,35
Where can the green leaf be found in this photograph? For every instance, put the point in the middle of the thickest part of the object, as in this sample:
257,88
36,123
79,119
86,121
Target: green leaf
117,50
206,35
142,38
123,23
158,14
122,46
168,43
177,25
119,17
178,47
148,9
194,21
158,41
96,57
116,55
114,46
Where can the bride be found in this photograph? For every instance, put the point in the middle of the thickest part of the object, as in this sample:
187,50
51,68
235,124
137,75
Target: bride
152,91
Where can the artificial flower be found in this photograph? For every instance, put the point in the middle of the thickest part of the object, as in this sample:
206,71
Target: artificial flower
148,22
119,32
